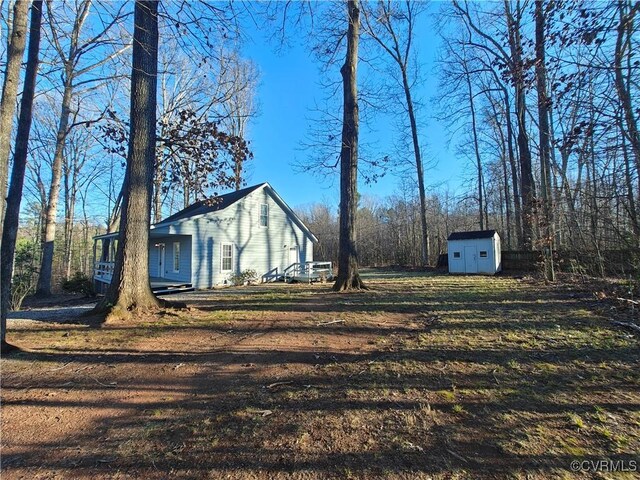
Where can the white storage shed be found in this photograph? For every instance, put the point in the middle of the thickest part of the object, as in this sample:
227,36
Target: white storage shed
474,252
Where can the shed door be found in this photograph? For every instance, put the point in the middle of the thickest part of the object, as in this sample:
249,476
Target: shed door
470,259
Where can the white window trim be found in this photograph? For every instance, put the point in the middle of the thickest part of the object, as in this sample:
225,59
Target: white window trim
260,218
176,244
222,245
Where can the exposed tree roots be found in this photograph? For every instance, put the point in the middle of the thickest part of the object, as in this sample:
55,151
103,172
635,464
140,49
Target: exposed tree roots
353,283
128,311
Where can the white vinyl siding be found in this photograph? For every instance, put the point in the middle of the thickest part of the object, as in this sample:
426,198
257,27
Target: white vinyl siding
176,257
226,261
265,250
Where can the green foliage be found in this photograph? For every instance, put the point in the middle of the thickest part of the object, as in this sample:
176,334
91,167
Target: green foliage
79,283
25,273
246,277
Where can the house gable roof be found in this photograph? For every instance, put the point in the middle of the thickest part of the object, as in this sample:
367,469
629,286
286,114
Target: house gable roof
291,213
202,207
223,201
477,234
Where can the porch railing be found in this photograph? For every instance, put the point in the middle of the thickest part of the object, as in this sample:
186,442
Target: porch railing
309,271
103,271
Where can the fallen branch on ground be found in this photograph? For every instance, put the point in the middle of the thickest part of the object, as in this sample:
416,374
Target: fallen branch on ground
262,413
630,325
330,323
110,384
63,366
459,457
277,384
633,302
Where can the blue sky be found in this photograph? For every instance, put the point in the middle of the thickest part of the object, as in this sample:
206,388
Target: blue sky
290,87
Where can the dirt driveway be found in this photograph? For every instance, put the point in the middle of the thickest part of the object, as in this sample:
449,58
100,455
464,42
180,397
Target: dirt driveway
423,376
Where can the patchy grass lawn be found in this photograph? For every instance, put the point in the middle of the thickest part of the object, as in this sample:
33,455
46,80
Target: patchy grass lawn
423,376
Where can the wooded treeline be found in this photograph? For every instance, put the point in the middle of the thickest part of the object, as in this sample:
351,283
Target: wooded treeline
542,97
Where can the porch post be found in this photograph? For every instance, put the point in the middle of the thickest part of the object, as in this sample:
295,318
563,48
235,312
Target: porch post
93,265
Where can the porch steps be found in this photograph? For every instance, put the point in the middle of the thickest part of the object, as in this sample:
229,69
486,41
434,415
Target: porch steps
170,289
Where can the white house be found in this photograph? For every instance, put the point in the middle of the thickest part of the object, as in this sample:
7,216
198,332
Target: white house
474,252
208,242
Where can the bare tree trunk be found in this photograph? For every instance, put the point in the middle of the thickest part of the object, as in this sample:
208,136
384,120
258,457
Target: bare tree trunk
504,201
426,247
592,183
476,149
545,146
527,184
238,174
157,196
130,287
15,52
70,187
348,276
11,220
71,172
623,48
628,179
46,266
514,170
507,203
556,188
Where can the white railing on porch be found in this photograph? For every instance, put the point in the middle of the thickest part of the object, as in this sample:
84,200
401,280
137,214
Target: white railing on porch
309,271
103,271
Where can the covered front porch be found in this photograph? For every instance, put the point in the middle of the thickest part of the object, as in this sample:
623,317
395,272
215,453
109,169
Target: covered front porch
169,262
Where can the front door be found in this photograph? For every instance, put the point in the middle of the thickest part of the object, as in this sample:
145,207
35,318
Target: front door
470,260
161,255
293,255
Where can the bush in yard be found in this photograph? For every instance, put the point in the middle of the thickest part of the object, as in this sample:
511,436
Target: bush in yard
79,283
245,277
25,273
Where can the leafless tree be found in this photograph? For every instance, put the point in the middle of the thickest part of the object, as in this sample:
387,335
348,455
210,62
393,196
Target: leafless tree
348,277
14,198
392,26
75,54
547,237
130,287
17,39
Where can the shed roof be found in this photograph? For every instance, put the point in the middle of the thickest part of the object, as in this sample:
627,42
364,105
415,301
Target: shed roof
477,234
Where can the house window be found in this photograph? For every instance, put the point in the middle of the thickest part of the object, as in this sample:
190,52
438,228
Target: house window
456,254
264,215
176,257
227,257
483,254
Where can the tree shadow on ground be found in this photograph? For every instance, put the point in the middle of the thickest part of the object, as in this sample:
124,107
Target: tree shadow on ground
488,396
